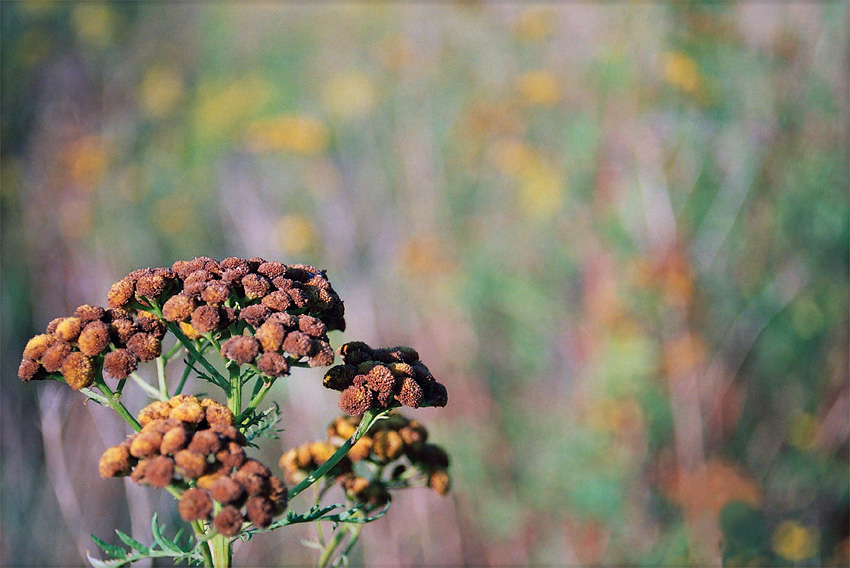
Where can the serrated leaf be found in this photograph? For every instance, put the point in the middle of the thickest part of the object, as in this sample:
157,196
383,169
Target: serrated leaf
134,544
115,563
110,549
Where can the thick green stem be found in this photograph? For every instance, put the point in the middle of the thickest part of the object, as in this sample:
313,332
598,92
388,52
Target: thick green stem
222,551
366,422
255,401
117,405
234,395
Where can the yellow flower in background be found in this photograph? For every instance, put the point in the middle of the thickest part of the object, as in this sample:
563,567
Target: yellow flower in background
803,431
295,234
161,90
541,190
682,72
221,107
288,133
94,23
538,88
86,161
349,95
535,24
794,542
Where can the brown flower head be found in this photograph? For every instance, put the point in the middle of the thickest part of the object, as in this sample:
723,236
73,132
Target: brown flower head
228,521
298,344
88,313
240,349
273,364
178,308
312,326
190,464
145,346
205,442
121,293
145,444
122,329
94,338
30,370
410,393
152,285
206,318
255,315
151,324
159,472
270,335
120,363
355,400
174,440
256,286
272,270
157,410
277,300
68,329
78,370
115,462
217,413
54,356
36,346
232,456
195,504
225,490
260,511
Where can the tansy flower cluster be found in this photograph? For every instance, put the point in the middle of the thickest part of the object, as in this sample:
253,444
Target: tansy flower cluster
195,442
393,454
92,340
382,378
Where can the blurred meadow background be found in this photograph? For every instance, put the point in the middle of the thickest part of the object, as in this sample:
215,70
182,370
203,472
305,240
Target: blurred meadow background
618,234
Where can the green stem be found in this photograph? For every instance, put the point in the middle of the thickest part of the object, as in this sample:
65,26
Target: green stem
152,392
176,492
255,401
324,559
117,405
160,373
234,396
222,551
366,422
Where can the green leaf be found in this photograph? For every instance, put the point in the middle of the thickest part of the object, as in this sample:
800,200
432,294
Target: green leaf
115,563
160,540
134,544
110,549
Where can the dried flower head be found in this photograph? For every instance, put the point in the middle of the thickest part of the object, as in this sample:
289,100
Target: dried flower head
145,346
36,346
240,349
228,521
195,504
78,370
94,338
114,462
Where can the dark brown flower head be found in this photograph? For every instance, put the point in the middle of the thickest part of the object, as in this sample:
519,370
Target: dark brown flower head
410,393
145,346
206,319
254,483
188,267
231,456
94,338
36,346
225,490
195,504
119,364
355,400
228,433
88,313
272,270
215,292
157,410
270,335
151,324
146,444
194,290
380,379
278,494
159,472
115,462
298,296
30,370
260,511
232,262
173,441
54,356
255,286
122,329
355,352
312,326
288,321
339,377
121,293
190,464
323,354
298,344
113,314
334,317
78,370
152,285
233,276
240,349
273,364
205,442
68,329
429,456
178,308
228,521
401,369
217,413
200,275
255,314
277,300
435,394
300,272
